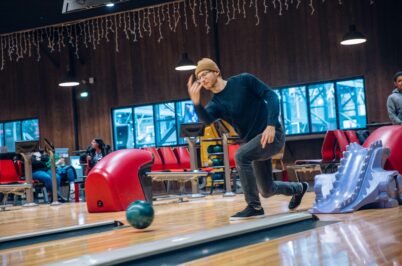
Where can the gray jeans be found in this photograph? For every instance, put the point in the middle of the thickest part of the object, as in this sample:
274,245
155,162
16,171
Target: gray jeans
255,170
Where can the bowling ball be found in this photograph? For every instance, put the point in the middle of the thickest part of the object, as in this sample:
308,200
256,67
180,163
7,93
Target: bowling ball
140,214
217,162
218,148
210,148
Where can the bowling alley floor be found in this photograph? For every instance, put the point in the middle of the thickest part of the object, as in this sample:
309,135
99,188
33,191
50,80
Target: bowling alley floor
364,237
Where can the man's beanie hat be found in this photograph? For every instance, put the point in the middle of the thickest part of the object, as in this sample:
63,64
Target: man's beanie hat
206,64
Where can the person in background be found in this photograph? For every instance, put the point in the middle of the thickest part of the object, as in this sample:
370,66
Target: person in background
42,172
95,152
394,102
66,172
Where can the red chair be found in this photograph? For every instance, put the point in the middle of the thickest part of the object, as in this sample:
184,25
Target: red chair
169,159
232,148
352,136
11,181
183,156
341,143
327,150
10,172
158,163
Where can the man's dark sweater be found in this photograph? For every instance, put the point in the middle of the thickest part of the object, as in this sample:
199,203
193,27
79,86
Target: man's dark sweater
247,103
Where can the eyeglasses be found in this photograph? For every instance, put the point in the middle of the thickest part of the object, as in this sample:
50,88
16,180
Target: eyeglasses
202,75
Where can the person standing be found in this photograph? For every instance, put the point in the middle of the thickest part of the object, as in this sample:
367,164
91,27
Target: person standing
394,101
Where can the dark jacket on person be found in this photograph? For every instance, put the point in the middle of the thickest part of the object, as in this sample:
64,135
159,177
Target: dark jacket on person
41,164
247,103
92,152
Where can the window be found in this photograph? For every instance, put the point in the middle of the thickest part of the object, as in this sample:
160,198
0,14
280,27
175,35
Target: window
165,124
326,106
305,109
185,113
123,128
294,109
144,126
351,104
151,125
30,129
13,131
322,107
1,135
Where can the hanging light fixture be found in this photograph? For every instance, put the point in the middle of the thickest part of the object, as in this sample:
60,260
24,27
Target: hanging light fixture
185,63
69,79
353,37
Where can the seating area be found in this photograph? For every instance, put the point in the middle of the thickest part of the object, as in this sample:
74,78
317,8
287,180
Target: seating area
334,144
171,169
11,181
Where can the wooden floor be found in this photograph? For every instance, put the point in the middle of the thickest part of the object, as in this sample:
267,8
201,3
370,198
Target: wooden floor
364,237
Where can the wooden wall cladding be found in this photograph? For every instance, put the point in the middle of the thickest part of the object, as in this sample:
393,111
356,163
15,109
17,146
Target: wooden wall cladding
296,47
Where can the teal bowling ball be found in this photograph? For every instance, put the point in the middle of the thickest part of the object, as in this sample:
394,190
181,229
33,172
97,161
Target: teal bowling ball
217,162
218,148
210,148
140,214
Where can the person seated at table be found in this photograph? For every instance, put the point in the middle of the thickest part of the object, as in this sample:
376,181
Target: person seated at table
66,172
95,152
41,171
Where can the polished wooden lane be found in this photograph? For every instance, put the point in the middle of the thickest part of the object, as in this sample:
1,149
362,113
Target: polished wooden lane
370,235
367,237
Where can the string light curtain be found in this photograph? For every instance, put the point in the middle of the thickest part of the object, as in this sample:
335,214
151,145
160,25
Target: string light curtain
137,24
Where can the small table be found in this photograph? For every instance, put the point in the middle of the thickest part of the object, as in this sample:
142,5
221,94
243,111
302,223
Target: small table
304,168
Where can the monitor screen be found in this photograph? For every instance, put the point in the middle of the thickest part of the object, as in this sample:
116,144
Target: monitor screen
75,162
61,152
26,146
192,130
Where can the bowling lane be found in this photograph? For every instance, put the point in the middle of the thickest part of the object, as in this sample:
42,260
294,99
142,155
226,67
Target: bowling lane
171,219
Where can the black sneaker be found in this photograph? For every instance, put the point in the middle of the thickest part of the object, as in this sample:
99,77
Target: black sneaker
248,213
296,199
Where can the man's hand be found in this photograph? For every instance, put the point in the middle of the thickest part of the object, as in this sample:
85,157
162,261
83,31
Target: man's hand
194,89
267,136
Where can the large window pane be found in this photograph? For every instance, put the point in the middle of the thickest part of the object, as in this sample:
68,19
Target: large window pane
351,104
123,128
1,135
185,113
12,131
165,124
30,129
295,110
144,126
278,92
322,107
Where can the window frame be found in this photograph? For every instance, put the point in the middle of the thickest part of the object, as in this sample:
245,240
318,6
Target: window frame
278,89
306,85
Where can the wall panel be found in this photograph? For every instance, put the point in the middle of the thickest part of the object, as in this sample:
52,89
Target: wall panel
282,50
